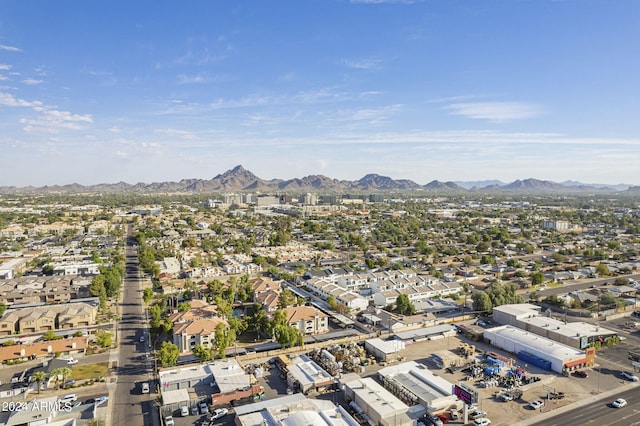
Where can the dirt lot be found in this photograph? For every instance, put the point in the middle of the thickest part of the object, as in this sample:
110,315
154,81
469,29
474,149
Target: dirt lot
508,413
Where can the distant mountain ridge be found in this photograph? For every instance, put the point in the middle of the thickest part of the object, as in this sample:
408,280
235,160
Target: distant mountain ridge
241,179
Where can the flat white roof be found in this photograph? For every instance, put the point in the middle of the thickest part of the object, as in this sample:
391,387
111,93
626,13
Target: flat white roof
519,309
573,330
377,397
386,346
301,412
175,396
418,380
535,342
180,375
307,372
230,376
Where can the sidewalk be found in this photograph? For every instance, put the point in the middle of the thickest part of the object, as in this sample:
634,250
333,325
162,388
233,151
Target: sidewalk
583,402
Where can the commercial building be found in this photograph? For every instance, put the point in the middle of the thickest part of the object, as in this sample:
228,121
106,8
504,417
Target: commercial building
293,410
577,334
414,384
305,375
537,350
383,349
379,406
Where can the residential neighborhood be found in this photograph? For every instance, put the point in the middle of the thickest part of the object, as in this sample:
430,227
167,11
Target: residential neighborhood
231,289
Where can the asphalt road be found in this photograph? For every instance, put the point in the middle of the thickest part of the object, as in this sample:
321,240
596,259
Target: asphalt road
129,406
582,285
600,413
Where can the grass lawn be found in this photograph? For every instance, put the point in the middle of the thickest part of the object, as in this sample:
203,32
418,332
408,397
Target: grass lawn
89,371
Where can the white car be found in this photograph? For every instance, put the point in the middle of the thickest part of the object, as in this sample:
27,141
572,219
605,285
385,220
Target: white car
482,422
536,404
630,376
69,398
145,387
184,411
168,421
204,408
219,412
71,361
619,403
101,400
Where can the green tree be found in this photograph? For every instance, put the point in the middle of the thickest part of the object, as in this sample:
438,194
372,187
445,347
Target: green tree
168,354
481,301
224,338
259,320
537,278
602,270
287,335
147,295
50,335
3,308
61,375
404,305
184,306
103,338
286,299
203,354
39,377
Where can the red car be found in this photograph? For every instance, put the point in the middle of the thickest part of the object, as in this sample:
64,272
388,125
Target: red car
443,418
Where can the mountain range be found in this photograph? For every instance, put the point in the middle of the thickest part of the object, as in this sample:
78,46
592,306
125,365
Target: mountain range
241,179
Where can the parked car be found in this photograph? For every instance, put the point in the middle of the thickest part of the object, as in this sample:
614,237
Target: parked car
483,421
443,418
145,387
581,373
69,383
204,408
168,421
476,414
630,376
536,404
619,403
184,411
219,413
431,420
194,410
71,361
69,398
101,400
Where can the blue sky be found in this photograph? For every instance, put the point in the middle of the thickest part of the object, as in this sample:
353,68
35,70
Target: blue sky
143,91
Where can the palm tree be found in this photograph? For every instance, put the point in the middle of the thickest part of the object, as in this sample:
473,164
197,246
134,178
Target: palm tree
65,372
39,377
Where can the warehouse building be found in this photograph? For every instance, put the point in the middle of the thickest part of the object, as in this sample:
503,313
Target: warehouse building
379,406
414,384
579,335
537,350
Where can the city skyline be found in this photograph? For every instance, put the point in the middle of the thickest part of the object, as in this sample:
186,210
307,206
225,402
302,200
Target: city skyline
421,90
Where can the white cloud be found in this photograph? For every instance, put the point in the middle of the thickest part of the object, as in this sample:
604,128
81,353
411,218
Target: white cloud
32,81
6,99
192,79
184,134
495,111
5,67
9,48
362,64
